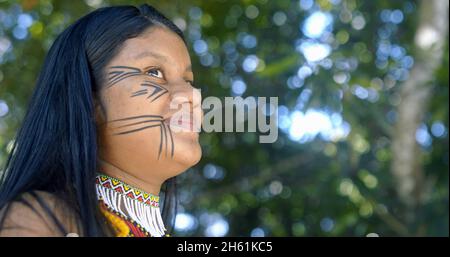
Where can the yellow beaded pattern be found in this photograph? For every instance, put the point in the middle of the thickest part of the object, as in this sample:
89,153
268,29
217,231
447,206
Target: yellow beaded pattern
121,228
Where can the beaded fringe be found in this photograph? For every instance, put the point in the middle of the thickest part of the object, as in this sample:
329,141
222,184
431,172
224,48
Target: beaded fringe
149,217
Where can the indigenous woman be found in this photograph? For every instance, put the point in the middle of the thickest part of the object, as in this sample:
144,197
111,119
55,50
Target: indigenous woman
113,119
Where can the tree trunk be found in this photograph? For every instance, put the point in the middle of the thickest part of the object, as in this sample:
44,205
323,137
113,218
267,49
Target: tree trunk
430,40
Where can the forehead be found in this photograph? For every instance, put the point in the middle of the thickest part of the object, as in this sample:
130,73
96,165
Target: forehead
156,41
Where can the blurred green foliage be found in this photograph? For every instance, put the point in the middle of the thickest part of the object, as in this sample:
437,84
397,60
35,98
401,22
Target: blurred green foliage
301,185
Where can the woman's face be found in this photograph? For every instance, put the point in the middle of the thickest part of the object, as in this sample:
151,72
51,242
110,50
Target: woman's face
149,112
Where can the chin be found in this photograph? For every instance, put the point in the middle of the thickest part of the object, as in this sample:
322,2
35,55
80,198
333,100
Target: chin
189,157
185,158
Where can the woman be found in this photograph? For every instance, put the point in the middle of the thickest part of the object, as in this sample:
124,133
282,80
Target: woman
113,118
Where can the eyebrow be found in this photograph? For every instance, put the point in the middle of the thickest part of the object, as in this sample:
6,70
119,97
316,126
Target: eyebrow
151,54
157,56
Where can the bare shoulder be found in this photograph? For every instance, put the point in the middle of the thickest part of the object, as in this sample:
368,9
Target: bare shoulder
38,213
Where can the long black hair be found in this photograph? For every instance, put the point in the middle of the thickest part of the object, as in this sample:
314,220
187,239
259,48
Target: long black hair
55,150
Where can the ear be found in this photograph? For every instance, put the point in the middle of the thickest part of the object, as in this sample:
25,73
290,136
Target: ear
99,110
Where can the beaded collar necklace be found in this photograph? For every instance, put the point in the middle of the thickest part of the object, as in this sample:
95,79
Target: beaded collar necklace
131,202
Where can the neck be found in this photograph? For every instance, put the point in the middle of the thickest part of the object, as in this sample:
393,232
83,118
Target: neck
152,187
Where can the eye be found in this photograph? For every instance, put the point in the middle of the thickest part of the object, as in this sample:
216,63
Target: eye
155,72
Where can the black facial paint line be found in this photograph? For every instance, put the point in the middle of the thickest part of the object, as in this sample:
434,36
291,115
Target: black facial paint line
171,140
159,96
131,123
160,141
168,131
139,129
165,136
139,92
164,129
140,122
120,73
157,92
138,117
164,141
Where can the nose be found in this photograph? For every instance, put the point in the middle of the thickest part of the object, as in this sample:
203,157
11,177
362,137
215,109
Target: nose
186,99
184,93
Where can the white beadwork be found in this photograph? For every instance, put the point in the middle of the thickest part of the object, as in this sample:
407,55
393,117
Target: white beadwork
147,216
